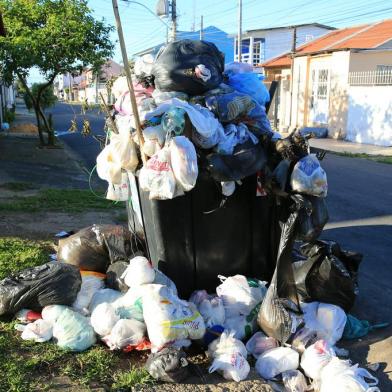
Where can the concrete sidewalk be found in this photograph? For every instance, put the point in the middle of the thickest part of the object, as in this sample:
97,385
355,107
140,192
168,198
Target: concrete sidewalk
342,146
25,121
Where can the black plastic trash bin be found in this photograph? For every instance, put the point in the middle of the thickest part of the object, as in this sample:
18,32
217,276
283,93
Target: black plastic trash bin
192,240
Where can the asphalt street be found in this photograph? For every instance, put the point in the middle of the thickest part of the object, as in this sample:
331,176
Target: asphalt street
359,202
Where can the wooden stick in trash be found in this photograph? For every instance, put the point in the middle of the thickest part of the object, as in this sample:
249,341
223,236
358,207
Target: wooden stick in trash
129,79
108,115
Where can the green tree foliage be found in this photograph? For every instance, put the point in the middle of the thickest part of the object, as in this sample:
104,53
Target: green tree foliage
55,36
48,98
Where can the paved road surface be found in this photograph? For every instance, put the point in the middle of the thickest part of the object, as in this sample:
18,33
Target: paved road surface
360,208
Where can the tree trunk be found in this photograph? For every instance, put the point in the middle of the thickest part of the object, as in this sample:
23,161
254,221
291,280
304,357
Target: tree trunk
48,129
40,134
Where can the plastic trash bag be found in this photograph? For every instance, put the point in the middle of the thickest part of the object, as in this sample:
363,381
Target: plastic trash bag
103,295
235,67
114,275
168,318
119,154
91,283
36,287
130,305
328,275
247,159
104,318
184,162
260,343
154,139
125,332
173,121
212,311
234,135
276,361
303,338
229,357
193,67
326,319
51,313
251,84
119,192
239,294
168,365
311,223
207,129
27,316
340,376
156,176
242,326
94,247
38,331
139,271
143,66
309,177
163,96
356,328
294,381
275,317
315,357
73,331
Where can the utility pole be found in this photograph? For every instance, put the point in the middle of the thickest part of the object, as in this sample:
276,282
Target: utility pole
129,78
201,28
239,37
293,50
174,21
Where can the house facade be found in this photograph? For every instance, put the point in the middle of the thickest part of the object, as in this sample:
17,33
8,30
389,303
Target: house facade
88,85
261,45
341,81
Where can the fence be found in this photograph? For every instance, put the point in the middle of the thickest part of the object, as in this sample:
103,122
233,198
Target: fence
370,78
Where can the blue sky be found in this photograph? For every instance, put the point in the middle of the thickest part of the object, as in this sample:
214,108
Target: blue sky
142,30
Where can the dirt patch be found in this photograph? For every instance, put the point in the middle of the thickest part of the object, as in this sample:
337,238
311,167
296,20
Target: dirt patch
25,128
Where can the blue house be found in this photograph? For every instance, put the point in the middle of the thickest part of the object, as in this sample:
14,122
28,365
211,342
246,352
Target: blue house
221,39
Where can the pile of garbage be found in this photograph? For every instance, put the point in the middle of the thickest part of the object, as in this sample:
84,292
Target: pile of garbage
196,114
134,306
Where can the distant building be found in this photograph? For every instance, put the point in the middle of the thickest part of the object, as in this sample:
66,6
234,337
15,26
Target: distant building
220,38
260,45
88,85
341,81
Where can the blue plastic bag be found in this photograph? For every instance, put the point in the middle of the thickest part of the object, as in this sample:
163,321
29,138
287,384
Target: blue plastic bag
251,84
356,328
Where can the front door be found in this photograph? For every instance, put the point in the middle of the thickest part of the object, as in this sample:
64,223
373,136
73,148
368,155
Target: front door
319,102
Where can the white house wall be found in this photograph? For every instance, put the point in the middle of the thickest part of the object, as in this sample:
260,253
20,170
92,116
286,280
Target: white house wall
370,115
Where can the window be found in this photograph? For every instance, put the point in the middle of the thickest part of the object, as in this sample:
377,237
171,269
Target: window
309,37
322,87
258,51
384,67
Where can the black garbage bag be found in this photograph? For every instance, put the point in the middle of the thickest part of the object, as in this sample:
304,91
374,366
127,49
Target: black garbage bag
95,247
36,287
329,274
247,159
193,67
113,276
169,365
281,304
312,221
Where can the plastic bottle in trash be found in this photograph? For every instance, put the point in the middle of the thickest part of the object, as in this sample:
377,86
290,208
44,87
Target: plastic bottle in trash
173,121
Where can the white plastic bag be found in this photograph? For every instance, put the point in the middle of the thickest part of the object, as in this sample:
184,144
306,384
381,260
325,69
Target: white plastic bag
326,319
294,381
140,271
315,357
51,313
212,311
104,295
91,283
119,192
73,331
157,177
143,65
308,177
154,139
104,318
184,162
125,332
229,357
38,331
340,376
260,343
276,361
168,318
239,298
243,326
